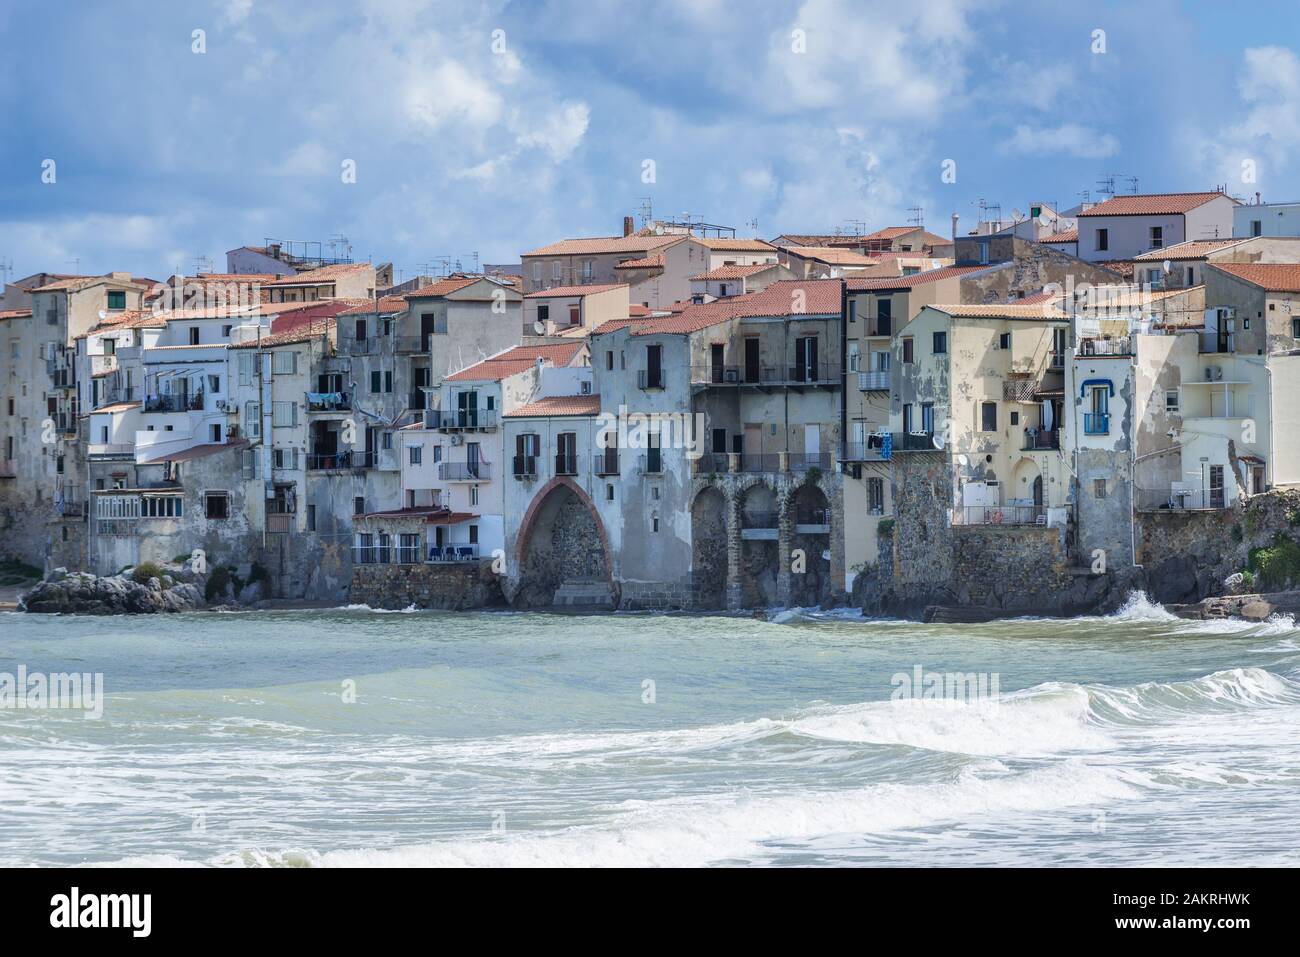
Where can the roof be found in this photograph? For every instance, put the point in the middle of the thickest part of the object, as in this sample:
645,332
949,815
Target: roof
722,244
614,325
418,511
516,360
287,333
1003,310
1066,236
198,451
314,277
605,245
832,255
385,304
440,287
735,272
558,405
818,239
116,407
1271,277
649,262
1192,249
907,282
1152,204
74,283
15,313
821,297
560,291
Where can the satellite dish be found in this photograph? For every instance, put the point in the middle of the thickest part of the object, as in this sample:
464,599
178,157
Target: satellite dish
1017,215
539,328
938,440
103,314
1165,265
963,461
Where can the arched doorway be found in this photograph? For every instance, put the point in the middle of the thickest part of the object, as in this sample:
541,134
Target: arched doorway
760,555
562,549
709,549
810,547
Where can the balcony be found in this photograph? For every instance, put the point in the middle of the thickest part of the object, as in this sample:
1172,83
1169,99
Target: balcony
174,403
804,461
1181,499
464,471
1096,423
650,379
760,462
334,461
716,374
812,521
329,402
1041,439
877,448
913,442
999,515
1122,346
524,466
713,463
408,345
877,381
566,463
880,328
607,462
452,553
111,449
652,463
484,420
358,347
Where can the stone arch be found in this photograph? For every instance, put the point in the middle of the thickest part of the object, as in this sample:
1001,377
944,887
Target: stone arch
1027,485
811,520
709,548
562,542
760,508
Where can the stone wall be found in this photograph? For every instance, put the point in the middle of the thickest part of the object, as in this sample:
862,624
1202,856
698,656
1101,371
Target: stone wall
455,586
1019,568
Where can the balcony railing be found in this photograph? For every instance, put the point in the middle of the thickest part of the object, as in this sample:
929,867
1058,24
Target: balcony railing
174,403
813,516
405,345
650,379
758,520
357,347
464,471
760,462
485,419
1042,439
524,466
452,553
913,442
607,462
713,463
1096,423
111,448
877,448
348,459
329,402
999,515
566,463
877,381
716,375
803,461
1178,499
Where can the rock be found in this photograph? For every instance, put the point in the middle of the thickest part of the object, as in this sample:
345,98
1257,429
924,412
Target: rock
83,594
251,593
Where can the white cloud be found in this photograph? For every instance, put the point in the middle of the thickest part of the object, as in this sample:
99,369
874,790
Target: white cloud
1068,139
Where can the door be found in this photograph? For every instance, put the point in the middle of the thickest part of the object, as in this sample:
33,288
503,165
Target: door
715,362
467,410
428,323
752,367
472,458
654,367
1216,486
805,359
1038,496
812,444
753,441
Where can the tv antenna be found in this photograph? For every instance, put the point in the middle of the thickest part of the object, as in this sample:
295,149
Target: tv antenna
646,210
918,216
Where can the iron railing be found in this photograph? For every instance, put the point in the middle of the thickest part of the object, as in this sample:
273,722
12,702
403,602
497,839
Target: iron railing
1096,423
877,381
1177,499
464,471
999,515
1042,439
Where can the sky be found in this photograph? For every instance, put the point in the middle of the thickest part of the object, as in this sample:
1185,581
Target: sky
420,130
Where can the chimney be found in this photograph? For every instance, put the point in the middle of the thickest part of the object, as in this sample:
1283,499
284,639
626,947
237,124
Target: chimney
955,217
629,226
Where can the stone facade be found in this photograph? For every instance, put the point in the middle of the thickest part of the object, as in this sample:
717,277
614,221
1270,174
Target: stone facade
455,586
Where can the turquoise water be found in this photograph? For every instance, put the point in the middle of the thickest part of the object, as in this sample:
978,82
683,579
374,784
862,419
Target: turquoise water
513,739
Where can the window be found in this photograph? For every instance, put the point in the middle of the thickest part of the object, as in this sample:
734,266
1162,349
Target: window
1295,334
1171,400
284,415
984,252
1004,341
654,524
609,492
388,381
415,454
215,433
473,534
216,505
161,506
537,272
437,454
586,270
876,496
110,347
376,380
284,362
1256,227
1099,488
1015,418
359,505
359,331
853,310
214,383
225,332
473,495
311,518
907,349
1157,237
988,417
116,299
609,361
557,271
654,460
245,363
194,335
927,418
940,343
543,313
386,440
1103,240
884,316
575,316
1191,276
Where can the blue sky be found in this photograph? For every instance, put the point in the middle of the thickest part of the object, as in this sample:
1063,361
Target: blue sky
468,140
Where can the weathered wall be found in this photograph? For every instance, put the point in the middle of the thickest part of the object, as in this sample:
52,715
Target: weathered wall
453,586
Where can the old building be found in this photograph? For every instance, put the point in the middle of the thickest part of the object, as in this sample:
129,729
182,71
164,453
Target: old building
1126,226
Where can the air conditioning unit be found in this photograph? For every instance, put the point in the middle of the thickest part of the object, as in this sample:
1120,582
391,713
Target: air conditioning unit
586,388
457,438
732,375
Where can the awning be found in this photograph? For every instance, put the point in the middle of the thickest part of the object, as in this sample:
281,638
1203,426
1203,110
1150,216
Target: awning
1251,459
450,518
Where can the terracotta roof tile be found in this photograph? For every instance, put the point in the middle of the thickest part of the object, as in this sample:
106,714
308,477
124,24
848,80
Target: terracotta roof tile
385,304
1004,310
442,287
722,244
734,272
15,313
1151,204
558,405
323,275
1192,249
1066,236
820,297
908,282
832,256
1271,277
649,262
516,360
